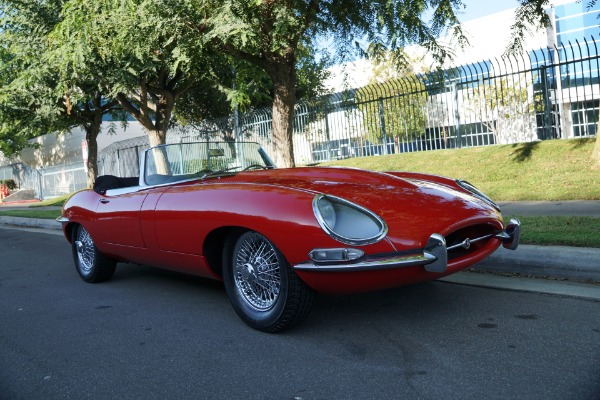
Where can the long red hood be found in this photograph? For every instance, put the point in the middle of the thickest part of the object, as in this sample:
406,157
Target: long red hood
406,205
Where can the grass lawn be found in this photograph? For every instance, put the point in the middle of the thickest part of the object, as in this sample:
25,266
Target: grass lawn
32,213
560,231
57,201
548,170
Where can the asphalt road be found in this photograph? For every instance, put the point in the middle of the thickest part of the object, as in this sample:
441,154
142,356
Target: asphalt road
154,334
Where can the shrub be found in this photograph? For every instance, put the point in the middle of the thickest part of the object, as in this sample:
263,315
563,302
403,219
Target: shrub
10,184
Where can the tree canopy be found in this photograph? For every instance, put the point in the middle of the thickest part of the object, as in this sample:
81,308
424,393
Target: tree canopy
36,97
269,33
157,59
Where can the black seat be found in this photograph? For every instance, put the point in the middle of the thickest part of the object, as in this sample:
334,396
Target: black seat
107,182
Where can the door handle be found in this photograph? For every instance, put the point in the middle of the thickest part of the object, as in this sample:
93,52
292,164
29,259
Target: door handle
104,201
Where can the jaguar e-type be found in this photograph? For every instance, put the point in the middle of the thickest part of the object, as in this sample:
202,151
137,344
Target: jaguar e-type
276,237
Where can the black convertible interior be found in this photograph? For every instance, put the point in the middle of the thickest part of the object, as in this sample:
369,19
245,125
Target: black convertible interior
107,182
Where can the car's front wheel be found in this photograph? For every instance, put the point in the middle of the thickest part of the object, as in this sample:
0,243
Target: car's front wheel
263,289
91,265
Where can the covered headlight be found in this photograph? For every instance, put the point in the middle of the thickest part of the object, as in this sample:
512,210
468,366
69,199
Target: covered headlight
477,193
347,222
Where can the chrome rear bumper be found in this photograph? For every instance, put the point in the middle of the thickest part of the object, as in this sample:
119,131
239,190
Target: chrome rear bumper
434,257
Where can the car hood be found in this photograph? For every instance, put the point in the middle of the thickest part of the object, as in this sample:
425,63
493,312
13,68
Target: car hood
406,205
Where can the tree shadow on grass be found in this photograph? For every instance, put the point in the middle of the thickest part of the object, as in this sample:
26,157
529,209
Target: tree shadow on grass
524,151
578,143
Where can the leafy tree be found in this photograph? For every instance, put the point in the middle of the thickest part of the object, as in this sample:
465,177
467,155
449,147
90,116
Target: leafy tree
268,33
19,44
503,106
392,103
35,97
530,15
142,53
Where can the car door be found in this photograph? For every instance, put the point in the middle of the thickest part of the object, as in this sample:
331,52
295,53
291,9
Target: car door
118,219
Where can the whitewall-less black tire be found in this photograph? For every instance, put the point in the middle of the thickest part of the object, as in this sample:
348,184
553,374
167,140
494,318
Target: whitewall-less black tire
263,289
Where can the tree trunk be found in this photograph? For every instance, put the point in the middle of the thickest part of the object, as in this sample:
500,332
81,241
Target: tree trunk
155,129
156,138
284,98
92,130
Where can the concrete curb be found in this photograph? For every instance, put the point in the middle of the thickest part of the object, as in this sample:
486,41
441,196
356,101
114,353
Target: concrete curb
39,223
574,263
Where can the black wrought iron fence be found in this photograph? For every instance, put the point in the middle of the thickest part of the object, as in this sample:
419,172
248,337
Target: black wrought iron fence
543,94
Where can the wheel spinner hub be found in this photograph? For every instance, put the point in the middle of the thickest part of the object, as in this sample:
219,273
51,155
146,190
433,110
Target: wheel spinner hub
85,250
256,273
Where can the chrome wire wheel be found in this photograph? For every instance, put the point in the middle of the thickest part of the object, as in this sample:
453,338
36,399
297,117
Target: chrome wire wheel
86,253
91,264
256,272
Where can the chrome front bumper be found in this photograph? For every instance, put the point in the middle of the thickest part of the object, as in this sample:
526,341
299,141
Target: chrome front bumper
434,257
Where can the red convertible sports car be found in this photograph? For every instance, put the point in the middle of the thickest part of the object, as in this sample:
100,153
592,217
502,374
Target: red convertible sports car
276,237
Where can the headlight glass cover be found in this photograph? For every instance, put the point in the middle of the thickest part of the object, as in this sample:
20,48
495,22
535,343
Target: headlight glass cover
347,222
477,193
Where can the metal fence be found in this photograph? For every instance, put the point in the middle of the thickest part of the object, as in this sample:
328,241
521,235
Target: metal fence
24,176
61,179
45,183
544,94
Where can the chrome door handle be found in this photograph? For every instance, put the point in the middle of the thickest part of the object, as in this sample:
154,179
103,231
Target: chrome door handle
104,201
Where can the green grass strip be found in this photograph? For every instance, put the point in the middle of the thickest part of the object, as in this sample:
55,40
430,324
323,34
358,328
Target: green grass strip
560,231
32,213
57,201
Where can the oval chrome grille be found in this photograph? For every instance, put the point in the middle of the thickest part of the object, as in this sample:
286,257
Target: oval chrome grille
468,240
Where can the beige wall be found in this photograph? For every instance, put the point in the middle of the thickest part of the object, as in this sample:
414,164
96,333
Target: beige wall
66,148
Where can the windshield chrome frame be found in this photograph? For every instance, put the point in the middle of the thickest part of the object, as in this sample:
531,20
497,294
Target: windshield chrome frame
269,164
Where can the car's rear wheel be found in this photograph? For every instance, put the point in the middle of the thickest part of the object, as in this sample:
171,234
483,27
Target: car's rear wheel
263,289
91,265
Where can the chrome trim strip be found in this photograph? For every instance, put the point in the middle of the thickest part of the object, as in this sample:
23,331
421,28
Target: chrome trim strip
476,192
465,244
63,220
398,261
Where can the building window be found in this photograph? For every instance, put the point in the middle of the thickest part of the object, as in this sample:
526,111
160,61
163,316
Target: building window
585,117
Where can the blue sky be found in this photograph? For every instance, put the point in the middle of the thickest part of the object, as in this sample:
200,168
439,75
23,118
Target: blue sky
479,8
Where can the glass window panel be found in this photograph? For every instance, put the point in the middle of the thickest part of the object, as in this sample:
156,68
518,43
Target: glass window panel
577,22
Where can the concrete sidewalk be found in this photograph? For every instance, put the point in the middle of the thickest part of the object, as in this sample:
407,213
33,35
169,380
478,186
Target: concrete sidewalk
572,208
572,263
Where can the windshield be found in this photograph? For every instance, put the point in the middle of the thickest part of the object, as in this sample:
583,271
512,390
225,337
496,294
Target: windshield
181,161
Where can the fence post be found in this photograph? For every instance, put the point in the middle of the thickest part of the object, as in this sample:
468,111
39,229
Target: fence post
456,116
382,123
40,183
328,137
118,163
547,104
